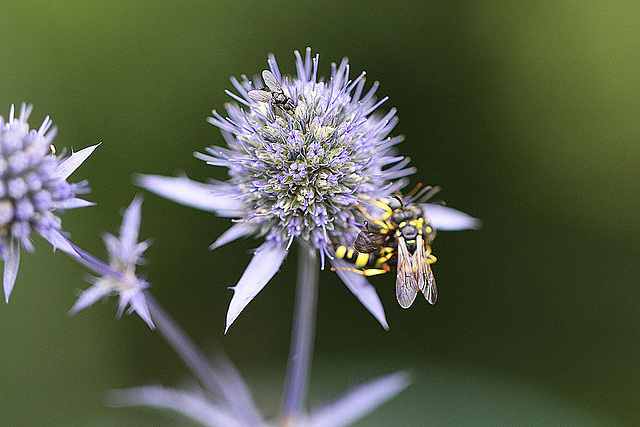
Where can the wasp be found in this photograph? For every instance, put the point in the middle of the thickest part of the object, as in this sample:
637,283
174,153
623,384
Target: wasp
273,93
400,239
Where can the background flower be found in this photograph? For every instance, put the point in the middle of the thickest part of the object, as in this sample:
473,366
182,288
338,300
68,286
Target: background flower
33,188
355,404
119,276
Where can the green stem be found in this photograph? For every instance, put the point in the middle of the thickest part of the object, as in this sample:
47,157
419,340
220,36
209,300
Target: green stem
301,348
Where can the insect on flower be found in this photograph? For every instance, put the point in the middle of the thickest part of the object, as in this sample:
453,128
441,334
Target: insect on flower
401,239
273,93
301,177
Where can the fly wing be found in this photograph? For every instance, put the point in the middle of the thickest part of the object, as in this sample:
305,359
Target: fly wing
259,95
271,81
422,269
406,284
369,241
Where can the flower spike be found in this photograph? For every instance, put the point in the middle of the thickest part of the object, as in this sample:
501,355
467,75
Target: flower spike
265,263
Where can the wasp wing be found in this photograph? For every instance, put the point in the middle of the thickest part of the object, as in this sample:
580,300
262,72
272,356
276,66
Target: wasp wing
406,284
422,270
259,95
369,241
271,81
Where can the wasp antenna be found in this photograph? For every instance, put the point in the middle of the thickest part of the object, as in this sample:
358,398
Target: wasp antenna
414,191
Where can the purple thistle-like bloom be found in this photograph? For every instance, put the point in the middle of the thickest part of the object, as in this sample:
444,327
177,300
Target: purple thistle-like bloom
119,276
300,173
302,153
297,166
33,188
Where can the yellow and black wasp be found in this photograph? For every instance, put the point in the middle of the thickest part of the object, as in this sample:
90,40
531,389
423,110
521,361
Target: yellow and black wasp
401,238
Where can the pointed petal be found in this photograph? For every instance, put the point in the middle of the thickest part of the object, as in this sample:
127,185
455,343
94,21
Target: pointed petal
72,204
449,219
131,224
139,305
362,289
71,163
191,193
58,241
189,404
11,263
89,297
359,401
220,377
236,231
264,264
123,301
236,391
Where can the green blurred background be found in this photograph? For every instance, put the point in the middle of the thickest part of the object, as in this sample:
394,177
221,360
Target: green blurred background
526,114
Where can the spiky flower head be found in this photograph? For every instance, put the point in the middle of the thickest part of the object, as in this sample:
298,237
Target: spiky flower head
303,151
33,187
119,276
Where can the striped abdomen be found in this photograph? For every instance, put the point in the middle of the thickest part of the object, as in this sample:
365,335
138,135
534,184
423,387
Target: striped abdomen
373,260
356,258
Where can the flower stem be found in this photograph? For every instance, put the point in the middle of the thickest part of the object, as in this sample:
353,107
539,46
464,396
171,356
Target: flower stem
301,348
224,384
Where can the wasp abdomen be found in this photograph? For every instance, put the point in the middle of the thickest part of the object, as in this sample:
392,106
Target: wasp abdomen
356,258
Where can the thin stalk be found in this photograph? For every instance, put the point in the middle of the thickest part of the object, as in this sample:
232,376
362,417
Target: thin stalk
301,347
224,384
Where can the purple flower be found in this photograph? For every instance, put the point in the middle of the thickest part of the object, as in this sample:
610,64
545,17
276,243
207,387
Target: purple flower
199,406
119,276
33,188
301,153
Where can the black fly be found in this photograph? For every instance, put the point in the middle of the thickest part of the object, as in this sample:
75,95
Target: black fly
273,93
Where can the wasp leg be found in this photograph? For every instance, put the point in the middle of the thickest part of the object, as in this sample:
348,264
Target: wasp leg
387,210
414,191
430,257
367,272
374,271
382,261
380,224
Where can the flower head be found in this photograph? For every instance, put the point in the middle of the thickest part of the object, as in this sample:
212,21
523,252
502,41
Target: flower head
301,154
33,188
300,162
119,276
